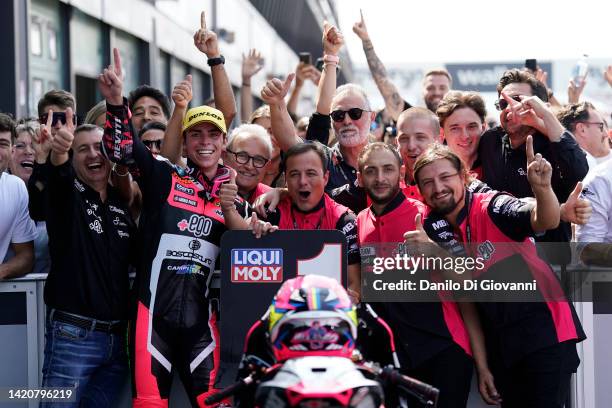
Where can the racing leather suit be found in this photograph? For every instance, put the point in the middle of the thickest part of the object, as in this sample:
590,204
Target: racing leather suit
180,231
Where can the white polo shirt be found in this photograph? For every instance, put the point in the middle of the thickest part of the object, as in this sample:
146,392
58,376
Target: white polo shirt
16,226
597,189
594,162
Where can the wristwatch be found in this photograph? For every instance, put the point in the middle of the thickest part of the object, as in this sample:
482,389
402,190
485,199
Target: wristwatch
216,61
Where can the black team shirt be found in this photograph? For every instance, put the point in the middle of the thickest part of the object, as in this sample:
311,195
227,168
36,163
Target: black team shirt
90,247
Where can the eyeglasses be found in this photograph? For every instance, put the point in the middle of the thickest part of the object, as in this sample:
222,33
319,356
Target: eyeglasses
151,143
502,104
600,124
243,158
354,113
57,117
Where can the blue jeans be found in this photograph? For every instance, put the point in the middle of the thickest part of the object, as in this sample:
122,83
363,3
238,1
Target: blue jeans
93,362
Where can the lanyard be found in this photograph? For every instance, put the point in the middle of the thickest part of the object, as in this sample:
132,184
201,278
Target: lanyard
468,230
318,226
339,166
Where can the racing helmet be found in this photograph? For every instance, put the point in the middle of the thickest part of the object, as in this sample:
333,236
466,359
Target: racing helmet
312,315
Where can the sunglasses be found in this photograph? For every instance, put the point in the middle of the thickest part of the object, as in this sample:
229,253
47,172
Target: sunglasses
151,143
57,117
354,113
502,104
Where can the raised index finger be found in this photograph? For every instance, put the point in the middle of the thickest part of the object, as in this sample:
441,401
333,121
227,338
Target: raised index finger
203,20
529,149
511,102
69,115
49,119
288,80
117,60
361,13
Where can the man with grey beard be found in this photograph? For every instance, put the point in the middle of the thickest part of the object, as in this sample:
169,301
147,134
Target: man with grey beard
346,110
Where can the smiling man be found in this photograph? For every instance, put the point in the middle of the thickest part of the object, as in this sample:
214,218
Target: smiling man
17,231
432,340
590,129
181,224
148,104
417,129
86,292
462,118
531,346
524,111
436,84
22,163
22,160
248,151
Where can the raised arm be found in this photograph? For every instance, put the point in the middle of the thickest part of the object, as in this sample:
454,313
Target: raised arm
566,155
41,141
333,40
173,139
302,73
320,123
251,64
574,90
546,213
118,143
118,140
394,104
206,41
273,93
62,142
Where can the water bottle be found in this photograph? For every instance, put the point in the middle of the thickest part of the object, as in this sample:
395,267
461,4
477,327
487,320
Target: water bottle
580,70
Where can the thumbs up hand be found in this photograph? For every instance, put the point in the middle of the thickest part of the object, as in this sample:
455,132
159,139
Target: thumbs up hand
418,235
182,93
62,142
228,193
275,90
576,210
333,40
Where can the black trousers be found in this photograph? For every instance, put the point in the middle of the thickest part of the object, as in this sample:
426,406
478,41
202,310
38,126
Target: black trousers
450,371
539,380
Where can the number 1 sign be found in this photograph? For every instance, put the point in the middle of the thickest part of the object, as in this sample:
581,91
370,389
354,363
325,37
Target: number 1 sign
252,270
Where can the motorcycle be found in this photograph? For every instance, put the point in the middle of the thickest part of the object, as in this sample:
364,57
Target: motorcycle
324,381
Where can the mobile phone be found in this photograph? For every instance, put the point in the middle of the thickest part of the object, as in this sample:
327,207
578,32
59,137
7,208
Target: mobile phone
319,64
531,64
306,58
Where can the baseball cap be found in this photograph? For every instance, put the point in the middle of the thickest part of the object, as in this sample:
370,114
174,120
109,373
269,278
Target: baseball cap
204,114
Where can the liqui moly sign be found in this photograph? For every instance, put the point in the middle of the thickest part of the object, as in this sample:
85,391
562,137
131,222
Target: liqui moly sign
257,265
